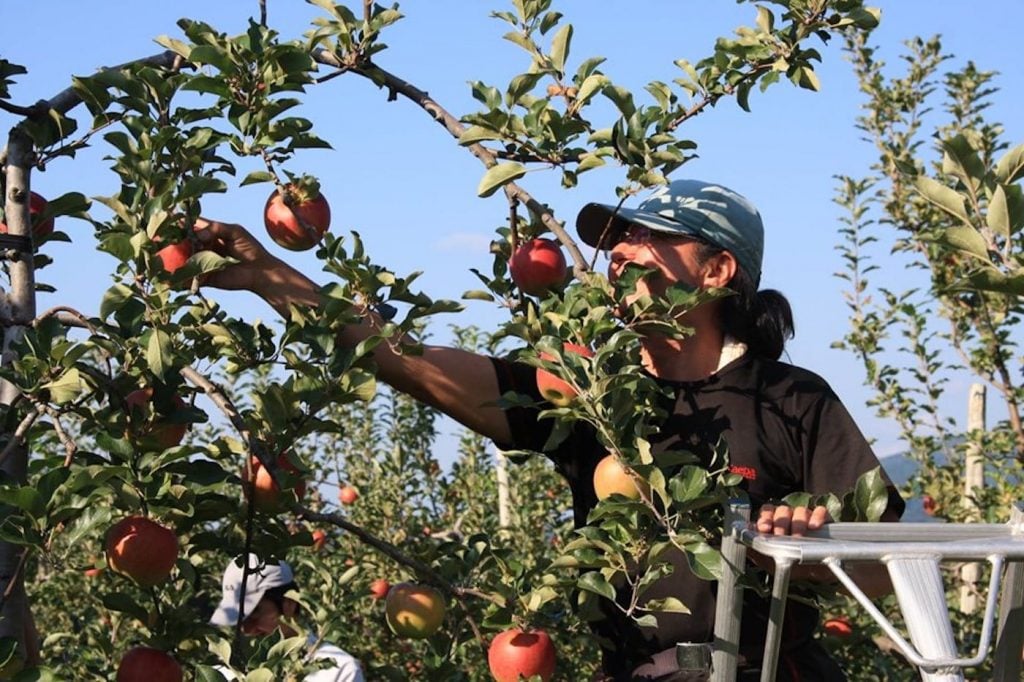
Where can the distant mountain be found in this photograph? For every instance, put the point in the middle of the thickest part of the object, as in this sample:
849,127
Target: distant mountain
900,468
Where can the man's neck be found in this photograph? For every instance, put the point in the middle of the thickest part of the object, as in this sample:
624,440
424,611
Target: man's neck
691,359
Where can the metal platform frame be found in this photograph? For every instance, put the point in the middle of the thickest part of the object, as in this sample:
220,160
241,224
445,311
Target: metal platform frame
912,553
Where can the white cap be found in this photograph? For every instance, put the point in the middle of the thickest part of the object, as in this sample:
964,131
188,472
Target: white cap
260,579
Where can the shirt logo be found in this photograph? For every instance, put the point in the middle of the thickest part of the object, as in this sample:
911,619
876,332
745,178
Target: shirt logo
749,473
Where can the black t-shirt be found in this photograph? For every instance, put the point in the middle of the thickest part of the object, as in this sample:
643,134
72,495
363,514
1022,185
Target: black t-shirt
786,431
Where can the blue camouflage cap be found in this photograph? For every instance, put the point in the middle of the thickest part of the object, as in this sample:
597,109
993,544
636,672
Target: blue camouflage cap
700,209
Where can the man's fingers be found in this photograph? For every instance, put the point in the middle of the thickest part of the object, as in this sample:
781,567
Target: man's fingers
819,517
783,516
766,518
801,515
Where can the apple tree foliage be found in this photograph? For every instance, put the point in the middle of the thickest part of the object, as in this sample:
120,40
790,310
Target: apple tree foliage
215,111
943,200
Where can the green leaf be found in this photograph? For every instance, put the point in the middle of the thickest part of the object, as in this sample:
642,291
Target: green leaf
1010,167
705,561
560,47
114,299
942,197
478,295
67,387
257,177
595,582
477,133
870,495
765,19
966,238
498,176
590,86
25,498
158,352
998,216
667,605
288,646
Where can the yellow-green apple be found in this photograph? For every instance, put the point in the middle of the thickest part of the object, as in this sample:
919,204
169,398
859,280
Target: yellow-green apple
414,611
611,476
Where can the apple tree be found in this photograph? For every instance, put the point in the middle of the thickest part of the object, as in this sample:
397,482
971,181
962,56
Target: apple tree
229,433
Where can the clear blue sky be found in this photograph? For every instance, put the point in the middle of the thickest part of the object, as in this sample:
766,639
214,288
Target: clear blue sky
396,177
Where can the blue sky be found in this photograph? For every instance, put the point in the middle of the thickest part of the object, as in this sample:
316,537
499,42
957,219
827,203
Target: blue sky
396,177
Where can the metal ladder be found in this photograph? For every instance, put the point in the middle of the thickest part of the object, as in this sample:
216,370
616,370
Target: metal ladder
912,553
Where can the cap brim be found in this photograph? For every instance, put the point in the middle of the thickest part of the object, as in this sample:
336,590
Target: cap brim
227,611
601,220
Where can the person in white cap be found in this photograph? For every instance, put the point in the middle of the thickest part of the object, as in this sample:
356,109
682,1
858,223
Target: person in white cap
266,603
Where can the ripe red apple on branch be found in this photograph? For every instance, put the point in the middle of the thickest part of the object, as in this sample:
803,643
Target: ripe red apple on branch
268,496
516,654
142,549
299,221
160,433
348,495
174,256
610,477
145,664
414,611
538,266
838,627
36,207
555,390
379,588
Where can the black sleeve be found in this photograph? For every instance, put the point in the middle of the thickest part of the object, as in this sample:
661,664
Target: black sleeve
528,432
836,453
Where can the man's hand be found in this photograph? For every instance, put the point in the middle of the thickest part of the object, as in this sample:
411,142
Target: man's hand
255,263
786,520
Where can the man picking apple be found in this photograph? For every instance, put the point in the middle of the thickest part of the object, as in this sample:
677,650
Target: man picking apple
265,609
785,428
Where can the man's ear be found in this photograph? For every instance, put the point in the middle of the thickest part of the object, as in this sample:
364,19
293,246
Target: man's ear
719,270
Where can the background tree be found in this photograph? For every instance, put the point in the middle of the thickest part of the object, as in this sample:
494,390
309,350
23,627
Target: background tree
943,199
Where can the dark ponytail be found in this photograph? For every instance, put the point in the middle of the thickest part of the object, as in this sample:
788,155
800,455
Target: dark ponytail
761,319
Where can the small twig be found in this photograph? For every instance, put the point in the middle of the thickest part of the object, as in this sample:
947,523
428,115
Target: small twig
263,13
18,437
70,447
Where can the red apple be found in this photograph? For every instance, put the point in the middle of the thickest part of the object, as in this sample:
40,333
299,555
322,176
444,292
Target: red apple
319,540
838,627
929,505
554,389
161,434
610,476
538,266
414,611
348,495
142,549
176,255
515,654
268,496
94,572
379,588
40,228
285,223
144,664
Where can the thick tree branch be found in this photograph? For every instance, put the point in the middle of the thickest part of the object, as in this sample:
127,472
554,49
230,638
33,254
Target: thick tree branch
514,192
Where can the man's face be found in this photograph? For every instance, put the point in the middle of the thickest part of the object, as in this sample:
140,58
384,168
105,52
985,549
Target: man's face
673,258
